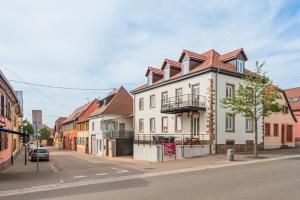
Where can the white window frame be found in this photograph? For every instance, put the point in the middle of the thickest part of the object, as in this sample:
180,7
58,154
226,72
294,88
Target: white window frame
229,87
152,125
141,125
249,124
150,79
185,67
178,118
164,127
240,66
229,122
152,101
141,104
166,73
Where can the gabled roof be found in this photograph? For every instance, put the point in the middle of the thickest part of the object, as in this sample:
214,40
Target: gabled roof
292,93
77,112
233,54
192,55
121,104
289,105
172,63
155,71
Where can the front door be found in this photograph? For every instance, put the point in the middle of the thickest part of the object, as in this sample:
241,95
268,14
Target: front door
282,134
195,125
93,145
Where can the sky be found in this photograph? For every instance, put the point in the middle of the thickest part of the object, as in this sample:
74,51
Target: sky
106,44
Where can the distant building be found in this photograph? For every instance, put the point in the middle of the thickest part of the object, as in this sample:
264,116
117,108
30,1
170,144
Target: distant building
293,95
37,120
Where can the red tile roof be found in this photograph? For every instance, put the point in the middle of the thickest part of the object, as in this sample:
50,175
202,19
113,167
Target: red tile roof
292,93
193,55
172,63
121,104
154,70
233,54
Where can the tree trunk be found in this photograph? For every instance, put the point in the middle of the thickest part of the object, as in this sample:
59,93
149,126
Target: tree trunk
256,138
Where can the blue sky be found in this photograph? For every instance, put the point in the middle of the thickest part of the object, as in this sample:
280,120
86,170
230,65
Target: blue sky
105,44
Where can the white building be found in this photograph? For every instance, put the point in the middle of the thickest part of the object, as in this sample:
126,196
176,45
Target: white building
111,125
181,104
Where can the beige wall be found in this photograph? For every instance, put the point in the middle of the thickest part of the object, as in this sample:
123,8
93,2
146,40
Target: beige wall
271,142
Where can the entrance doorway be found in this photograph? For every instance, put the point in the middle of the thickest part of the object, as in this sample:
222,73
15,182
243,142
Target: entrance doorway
282,134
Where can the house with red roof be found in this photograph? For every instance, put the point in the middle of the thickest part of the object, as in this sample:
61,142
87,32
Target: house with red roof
75,128
111,125
177,113
293,95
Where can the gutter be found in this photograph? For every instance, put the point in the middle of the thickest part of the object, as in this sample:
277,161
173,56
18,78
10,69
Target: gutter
216,110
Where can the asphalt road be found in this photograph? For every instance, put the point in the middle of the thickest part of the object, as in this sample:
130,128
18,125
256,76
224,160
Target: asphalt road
267,180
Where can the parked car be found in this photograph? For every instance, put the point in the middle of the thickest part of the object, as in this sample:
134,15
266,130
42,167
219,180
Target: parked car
42,154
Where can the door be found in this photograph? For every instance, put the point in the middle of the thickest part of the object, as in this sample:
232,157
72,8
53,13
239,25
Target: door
282,134
93,145
195,95
195,125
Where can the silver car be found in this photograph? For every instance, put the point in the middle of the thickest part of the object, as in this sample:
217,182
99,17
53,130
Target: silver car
41,154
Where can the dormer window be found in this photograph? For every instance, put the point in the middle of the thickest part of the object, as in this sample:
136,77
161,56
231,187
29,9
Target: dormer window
185,67
240,66
150,79
166,73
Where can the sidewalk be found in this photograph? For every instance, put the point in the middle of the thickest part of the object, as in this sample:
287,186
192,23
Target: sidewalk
210,160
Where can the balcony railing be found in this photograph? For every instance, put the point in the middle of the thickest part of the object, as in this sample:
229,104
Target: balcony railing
183,103
117,134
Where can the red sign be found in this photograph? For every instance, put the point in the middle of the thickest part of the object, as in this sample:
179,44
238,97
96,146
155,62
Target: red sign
170,148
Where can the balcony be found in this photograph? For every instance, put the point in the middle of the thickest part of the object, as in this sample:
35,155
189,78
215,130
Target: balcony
183,103
117,134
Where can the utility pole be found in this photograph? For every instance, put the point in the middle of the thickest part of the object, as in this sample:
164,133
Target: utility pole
37,144
25,140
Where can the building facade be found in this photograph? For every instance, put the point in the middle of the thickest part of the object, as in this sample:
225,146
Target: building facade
279,128
10,113
293,95
178,114
111,125
58,133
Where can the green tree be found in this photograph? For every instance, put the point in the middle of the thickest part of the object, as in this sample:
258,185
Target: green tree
29,129
256,98
44,133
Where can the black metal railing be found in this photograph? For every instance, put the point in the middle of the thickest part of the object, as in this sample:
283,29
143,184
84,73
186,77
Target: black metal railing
184,101
178,139
117,134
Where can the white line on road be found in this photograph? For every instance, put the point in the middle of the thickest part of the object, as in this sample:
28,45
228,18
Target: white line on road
77,177
101,174
131,177
122,172
55,170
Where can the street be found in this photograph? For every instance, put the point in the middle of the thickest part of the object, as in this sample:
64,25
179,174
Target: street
69,176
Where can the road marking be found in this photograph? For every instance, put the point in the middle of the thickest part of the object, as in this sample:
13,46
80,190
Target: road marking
102,174
61,181
42,188
77,177
55,170
120,171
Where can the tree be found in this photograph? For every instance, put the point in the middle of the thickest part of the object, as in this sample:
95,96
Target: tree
44,133
256,98
29,129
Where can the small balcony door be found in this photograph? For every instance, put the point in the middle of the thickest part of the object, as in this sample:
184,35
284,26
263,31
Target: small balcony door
195,95
195,125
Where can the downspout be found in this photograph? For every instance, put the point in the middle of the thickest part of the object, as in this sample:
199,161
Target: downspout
216,110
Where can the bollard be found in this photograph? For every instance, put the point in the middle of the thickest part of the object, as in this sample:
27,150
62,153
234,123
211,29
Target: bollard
230,154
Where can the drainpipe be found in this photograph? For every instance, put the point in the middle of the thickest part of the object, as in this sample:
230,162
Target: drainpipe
216,110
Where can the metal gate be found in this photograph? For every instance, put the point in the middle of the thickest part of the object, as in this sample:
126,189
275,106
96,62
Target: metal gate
124,147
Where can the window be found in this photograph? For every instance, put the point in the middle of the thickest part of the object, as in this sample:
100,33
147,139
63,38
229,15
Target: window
295,99
289,100
164,124
178,95
185,67
141,125
285,109
240,66
229,122
152,101
2,105
93,126
289,133
141,104
164,97
115,125
152,125
229,91
166,73
230,142
3,141
249,124
275,131
178,123
150,79
267,130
